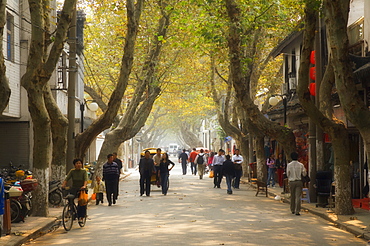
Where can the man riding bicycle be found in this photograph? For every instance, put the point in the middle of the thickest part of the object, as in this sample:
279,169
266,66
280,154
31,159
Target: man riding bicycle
79,183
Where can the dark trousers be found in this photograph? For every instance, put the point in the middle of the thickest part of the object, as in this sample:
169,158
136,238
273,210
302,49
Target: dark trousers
193,168
164,179
145,178
238,175
229,178
217,171
184,167
81,210
111,189
117,188
99,198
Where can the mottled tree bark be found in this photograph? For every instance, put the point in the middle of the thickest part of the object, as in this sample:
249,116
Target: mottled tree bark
84,139
242,80
356,110
325,119
42,60
59,128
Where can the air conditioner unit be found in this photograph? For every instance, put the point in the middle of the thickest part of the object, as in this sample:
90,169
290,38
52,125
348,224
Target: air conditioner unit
284,89
292,83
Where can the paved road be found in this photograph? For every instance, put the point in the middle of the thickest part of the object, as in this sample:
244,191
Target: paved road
194,213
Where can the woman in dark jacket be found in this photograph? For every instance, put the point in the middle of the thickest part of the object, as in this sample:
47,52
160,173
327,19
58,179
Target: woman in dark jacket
164,172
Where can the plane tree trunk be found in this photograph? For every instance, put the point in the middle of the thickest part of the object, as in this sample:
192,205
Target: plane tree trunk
83,140
324,118
45,48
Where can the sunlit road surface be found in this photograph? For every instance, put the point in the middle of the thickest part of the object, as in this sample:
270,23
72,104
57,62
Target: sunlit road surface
194,213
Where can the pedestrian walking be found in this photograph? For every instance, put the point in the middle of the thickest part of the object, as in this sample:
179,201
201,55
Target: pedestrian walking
201,161
99,189
228,170
119,163
146,169
217,163
210,160
280,168
111,177
79,184
238,161
164,172
193,165
295,172
157,158
271,169
183,159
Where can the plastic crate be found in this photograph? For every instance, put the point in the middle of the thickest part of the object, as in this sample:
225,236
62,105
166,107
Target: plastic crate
29,184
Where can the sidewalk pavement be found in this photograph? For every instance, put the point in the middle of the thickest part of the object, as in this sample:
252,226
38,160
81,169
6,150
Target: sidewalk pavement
34,227
357,224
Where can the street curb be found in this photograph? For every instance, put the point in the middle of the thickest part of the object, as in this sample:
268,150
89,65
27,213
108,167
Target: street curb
38,232
31,234
358,232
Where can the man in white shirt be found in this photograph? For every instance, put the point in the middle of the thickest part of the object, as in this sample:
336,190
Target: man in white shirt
238,161
295,171
218,160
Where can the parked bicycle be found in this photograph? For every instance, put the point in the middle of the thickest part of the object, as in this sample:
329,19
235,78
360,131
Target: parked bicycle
70,210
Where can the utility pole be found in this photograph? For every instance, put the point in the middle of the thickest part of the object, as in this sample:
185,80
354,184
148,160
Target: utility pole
72,77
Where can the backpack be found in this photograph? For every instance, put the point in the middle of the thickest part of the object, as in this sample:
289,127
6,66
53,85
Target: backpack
200,159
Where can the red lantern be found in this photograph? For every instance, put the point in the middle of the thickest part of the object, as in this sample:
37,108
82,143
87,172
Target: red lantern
313,73
313,89
327,138
313,57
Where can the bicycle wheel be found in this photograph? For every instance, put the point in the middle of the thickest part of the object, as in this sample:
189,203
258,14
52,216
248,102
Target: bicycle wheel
82,223
55,198
67,216
15,211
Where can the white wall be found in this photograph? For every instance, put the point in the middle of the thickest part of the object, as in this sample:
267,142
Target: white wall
367,24
356,10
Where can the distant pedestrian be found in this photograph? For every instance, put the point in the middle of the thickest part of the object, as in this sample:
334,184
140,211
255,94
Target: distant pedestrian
280,168
193,165
99,189
217,163
183,159
271,169
164,172
111,177
238,161
157,160
210,160
295,171
201,161
146,169
119,163
228,170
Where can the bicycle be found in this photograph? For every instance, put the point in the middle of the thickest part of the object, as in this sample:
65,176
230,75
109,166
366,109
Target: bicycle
70,212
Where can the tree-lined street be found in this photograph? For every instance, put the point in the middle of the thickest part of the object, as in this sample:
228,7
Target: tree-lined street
194,213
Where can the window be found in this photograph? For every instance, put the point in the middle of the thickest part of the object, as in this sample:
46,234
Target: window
9,37
62,71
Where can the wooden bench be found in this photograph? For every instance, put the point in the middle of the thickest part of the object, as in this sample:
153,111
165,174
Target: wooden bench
261,186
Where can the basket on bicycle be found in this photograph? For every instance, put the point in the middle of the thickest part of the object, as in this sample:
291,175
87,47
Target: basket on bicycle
29,184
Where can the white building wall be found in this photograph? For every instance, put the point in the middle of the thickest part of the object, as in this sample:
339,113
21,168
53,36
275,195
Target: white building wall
356,10
13,65
367,24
